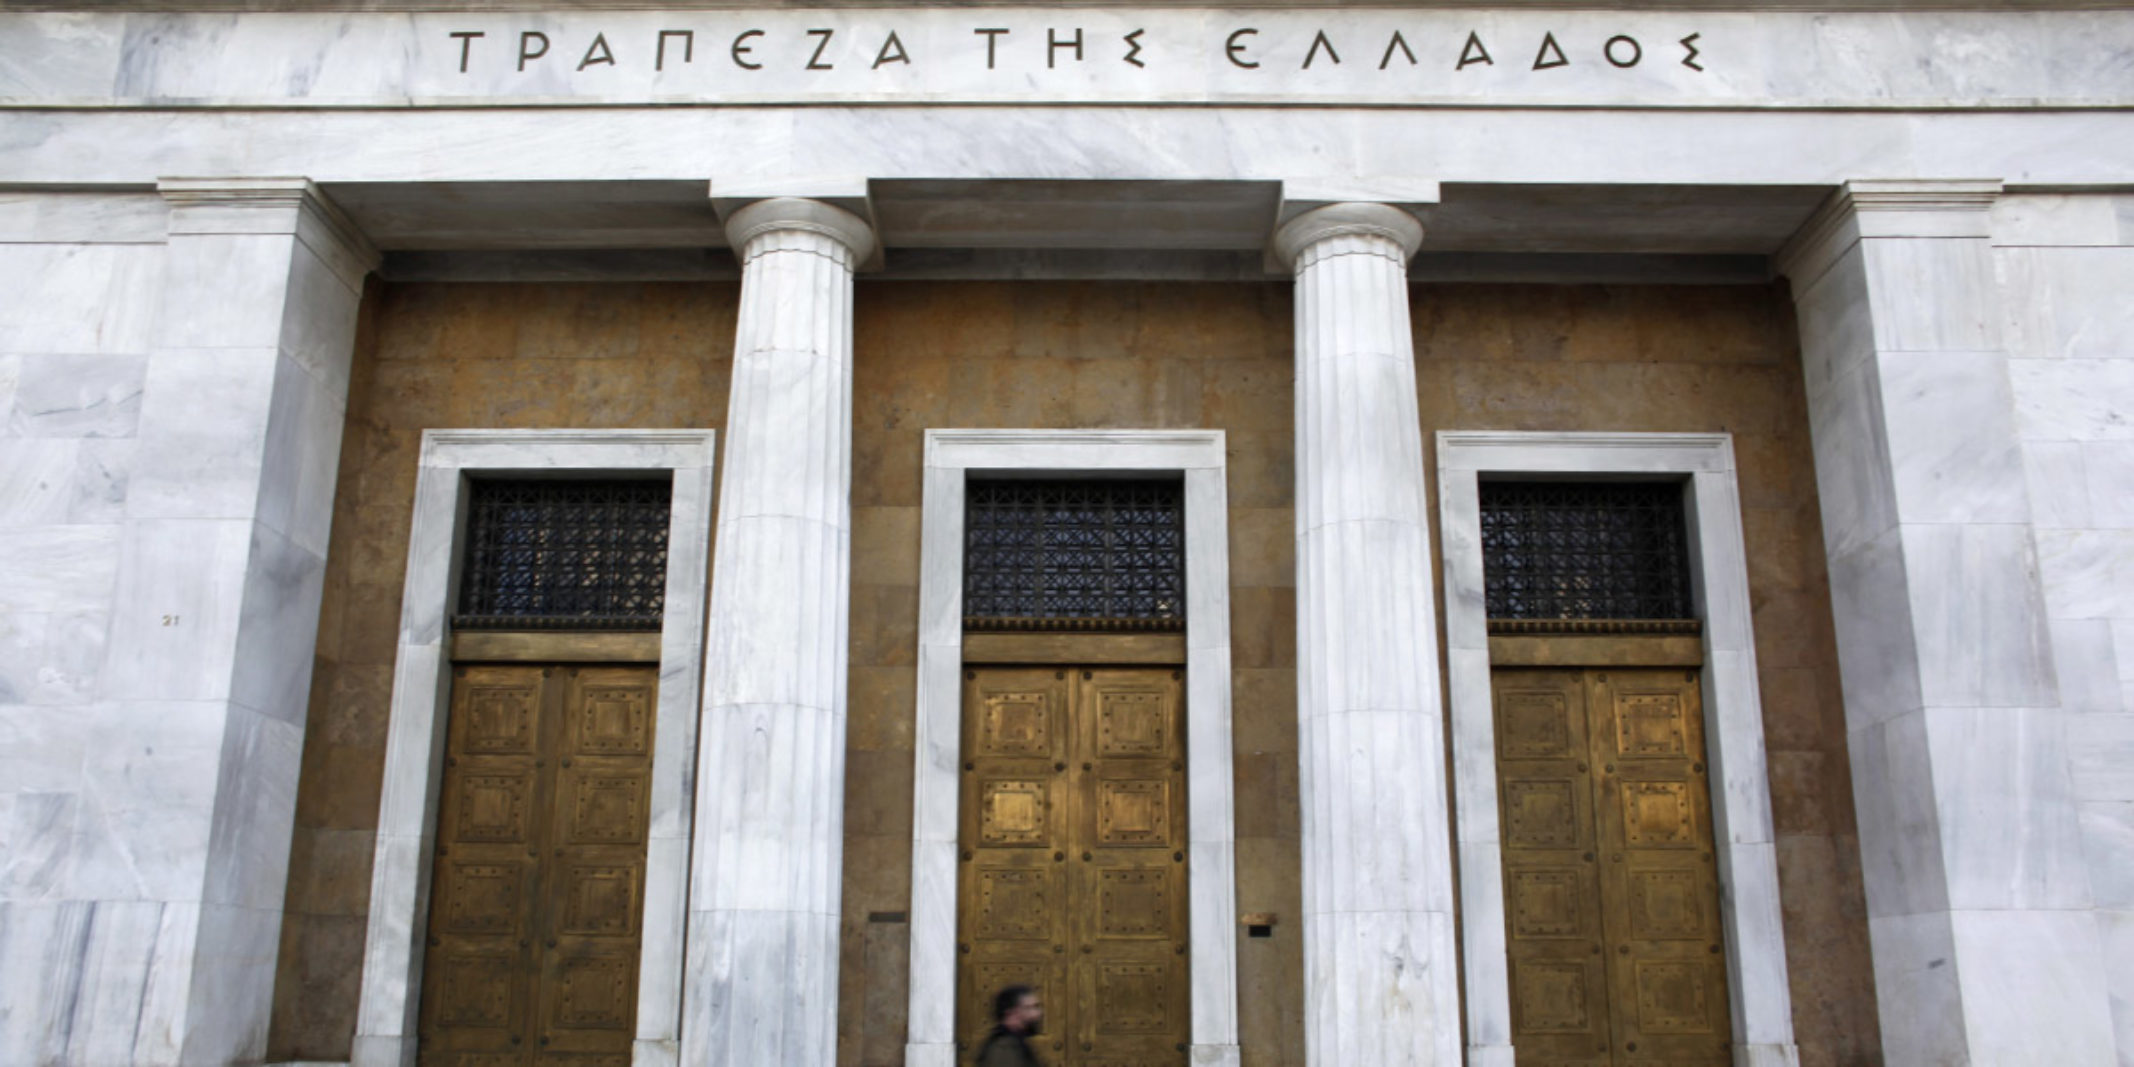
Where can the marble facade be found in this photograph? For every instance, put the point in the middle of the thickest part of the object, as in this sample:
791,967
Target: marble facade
186,242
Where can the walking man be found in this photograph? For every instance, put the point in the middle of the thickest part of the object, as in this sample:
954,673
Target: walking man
1018,1015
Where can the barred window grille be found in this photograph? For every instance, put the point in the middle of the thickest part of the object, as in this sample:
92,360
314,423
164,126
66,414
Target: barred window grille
565,555
1584,551
1074,555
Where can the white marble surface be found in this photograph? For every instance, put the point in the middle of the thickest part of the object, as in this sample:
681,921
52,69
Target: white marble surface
765,884
1381,975
1741,804
1199,455
1948,604
392,960
1666,59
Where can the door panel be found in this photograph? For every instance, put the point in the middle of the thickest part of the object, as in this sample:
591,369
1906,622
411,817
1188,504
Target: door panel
1611,892
1074,868
536,914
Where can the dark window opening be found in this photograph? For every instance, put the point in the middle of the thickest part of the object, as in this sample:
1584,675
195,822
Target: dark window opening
564,555
1564,551
1098,555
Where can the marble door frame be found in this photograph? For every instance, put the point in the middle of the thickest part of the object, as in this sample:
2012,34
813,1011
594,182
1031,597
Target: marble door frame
951,457
407,811
1741,796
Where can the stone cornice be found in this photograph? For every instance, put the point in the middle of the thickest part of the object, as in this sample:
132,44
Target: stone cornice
294,206
1881,207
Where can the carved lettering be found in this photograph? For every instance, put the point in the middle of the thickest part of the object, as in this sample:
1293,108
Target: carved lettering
1550,55
1053,44
815,61
1397,42
1474,52
886,55
1134,39
597,53
992,39
1688,42
1318,41
526,41
1636,53
466,42
1232,48
741,48
689,47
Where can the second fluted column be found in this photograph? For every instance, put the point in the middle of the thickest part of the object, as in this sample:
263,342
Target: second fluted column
1381,978
768,838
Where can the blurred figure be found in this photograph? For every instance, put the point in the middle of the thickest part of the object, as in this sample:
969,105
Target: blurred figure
1018,1015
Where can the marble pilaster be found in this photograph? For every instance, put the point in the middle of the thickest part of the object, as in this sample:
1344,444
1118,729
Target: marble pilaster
1979,902
221,559
762,948
1381,981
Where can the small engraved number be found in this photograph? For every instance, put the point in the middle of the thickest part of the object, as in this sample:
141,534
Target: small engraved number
170,620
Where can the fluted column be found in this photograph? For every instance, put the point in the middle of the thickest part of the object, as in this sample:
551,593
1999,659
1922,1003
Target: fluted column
1381,980
761,986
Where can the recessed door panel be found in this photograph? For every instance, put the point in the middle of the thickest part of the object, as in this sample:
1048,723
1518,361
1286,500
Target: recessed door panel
537,908
1611,892
1073,859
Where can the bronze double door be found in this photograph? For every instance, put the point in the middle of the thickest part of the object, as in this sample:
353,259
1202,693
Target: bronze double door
1611,891
537,898
1073,872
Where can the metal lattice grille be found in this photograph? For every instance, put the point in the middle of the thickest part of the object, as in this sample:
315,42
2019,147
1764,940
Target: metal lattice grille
565,555
1085,555
1584,550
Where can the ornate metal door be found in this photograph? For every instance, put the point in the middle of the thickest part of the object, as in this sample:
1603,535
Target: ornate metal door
1611,892
1073,873
537,898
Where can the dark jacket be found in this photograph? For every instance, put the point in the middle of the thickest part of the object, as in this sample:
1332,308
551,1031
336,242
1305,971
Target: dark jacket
1003,1049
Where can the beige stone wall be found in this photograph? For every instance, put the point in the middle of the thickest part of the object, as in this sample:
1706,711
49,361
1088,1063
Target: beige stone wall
1026,354
432,356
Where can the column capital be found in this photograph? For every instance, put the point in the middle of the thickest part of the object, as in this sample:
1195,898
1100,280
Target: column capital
790,214
1887,207
203,207
1351,219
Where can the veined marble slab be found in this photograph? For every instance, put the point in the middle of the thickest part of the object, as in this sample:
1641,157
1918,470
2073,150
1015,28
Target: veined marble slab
1067,55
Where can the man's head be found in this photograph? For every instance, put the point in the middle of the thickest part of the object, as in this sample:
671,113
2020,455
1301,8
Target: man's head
1018,1010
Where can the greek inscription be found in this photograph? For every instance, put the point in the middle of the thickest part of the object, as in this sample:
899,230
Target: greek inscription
892,52
742,48
1068,46
466,44
1053,44
992,40
1319,41
815,61
689,47
1397,42
1473,52
597,53
1551,54
1689,60
526,40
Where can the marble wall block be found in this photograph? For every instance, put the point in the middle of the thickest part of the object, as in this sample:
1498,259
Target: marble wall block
92,395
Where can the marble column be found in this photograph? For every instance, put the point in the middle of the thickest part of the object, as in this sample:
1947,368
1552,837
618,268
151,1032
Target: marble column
1985,947
194,758
761,984
1381,978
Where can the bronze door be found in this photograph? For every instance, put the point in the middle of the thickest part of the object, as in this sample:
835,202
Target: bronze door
1611,893
537,896
1073,872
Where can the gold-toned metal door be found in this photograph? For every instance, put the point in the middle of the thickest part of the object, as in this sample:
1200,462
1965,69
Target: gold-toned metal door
1073,872
1610,885
537,899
